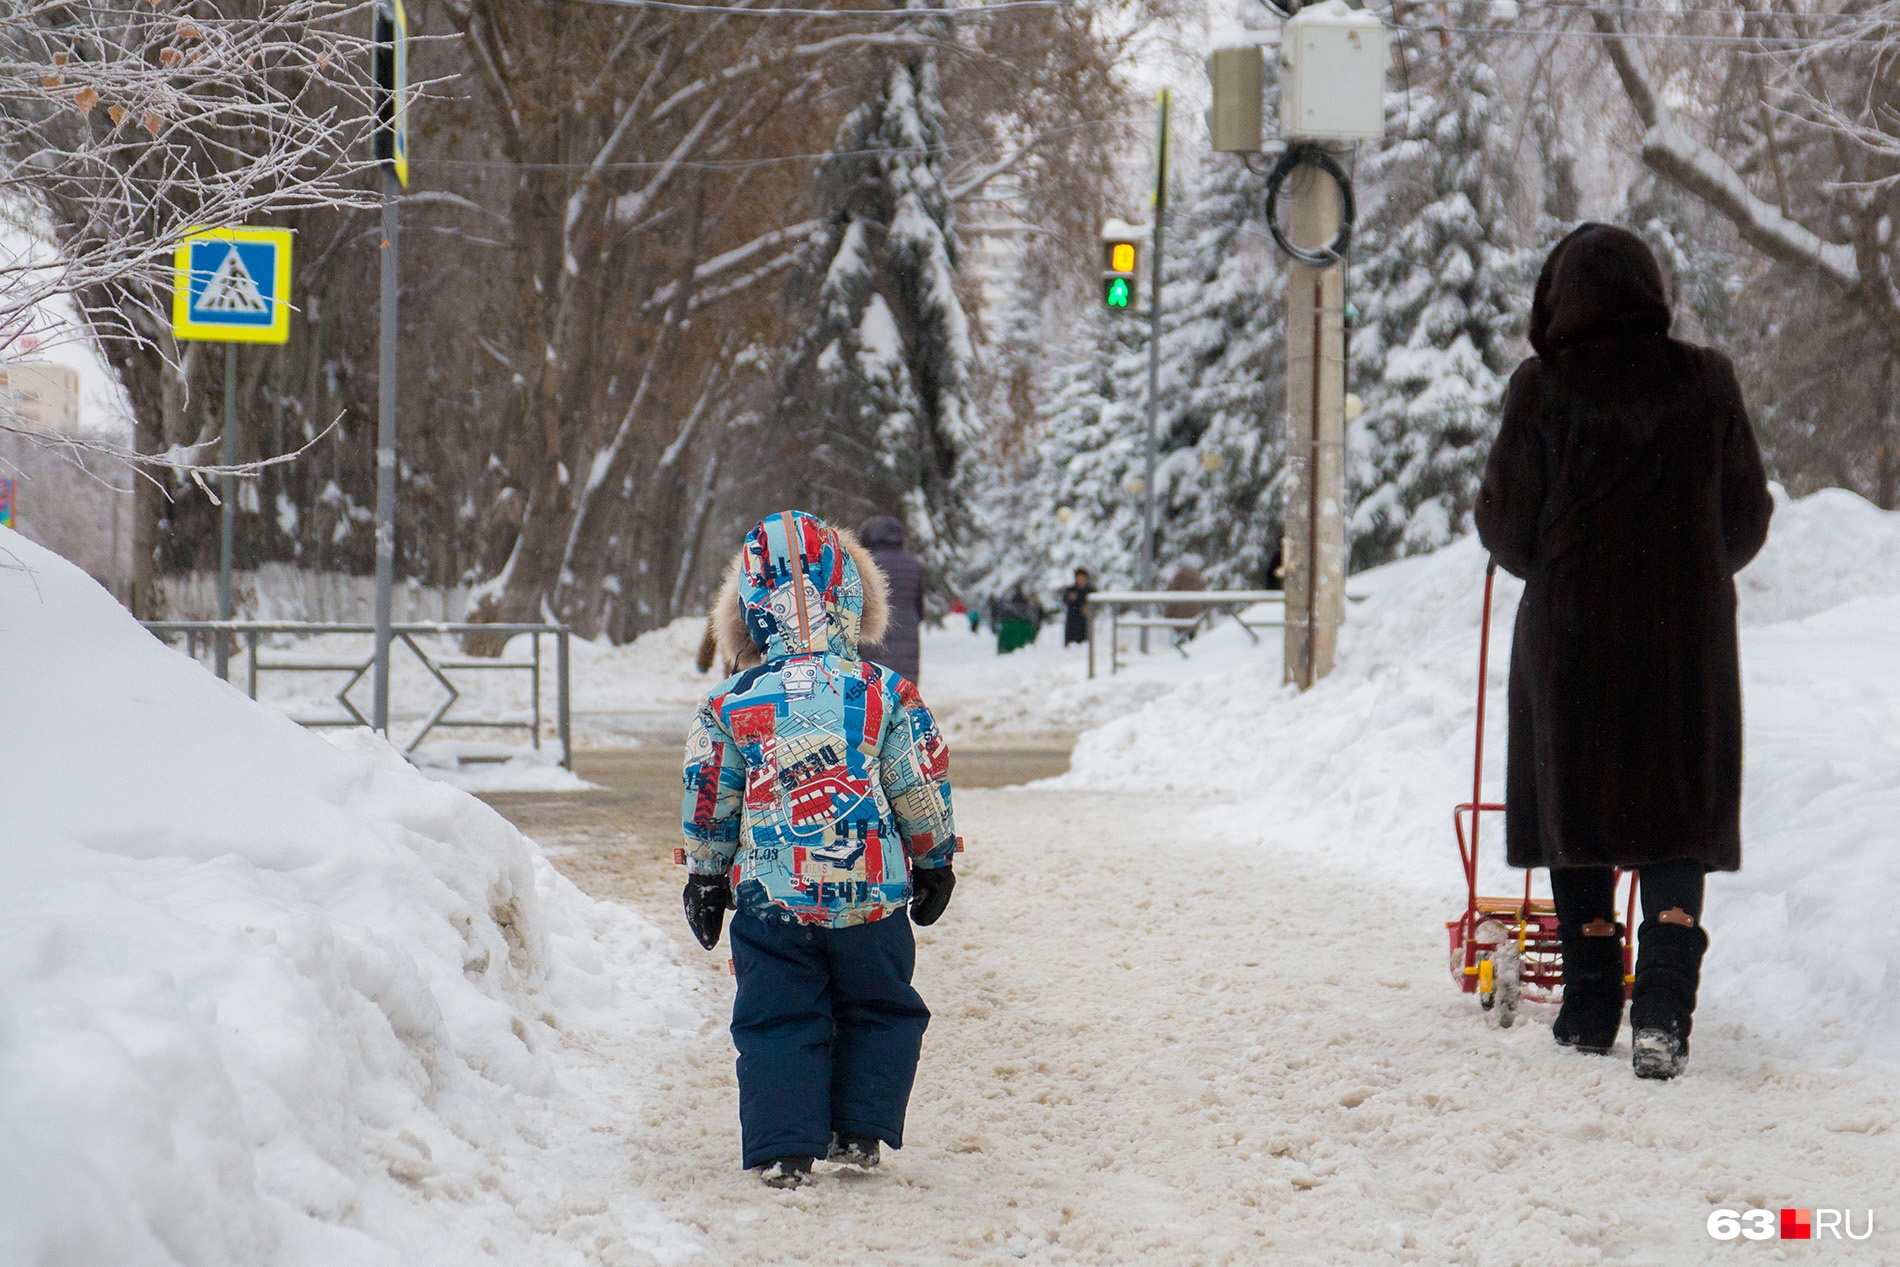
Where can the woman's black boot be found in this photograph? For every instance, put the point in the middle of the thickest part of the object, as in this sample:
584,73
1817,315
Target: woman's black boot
1662,1006
1592,1010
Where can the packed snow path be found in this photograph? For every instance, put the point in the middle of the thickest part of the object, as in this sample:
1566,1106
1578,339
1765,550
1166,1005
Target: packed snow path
1153,1047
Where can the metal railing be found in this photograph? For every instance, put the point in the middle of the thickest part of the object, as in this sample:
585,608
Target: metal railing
1179,628
222,637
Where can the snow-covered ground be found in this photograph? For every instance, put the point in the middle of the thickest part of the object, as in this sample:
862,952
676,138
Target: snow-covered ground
1154,1044
1361,773
265,998
268,998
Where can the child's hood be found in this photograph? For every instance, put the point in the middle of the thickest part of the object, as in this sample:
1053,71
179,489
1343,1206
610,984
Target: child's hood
798,586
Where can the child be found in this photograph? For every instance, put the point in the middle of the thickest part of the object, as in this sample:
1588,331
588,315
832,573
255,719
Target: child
817,804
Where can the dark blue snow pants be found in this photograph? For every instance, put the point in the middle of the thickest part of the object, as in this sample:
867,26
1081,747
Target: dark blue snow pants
828,1030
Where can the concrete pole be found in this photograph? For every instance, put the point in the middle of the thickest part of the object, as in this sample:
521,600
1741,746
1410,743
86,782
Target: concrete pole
227,513
386,455
1314,551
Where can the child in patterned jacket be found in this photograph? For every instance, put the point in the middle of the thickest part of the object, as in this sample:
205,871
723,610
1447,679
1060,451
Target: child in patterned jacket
817,806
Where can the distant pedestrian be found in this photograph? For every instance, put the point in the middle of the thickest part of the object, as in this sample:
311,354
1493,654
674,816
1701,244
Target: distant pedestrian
1075,609
1187,578
817,806
1016,619
904,573
1626,488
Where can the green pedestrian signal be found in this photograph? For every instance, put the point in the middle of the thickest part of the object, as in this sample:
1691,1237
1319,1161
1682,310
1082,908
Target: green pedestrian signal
1121,258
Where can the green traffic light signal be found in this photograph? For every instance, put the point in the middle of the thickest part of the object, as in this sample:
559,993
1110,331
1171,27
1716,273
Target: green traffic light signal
1119,293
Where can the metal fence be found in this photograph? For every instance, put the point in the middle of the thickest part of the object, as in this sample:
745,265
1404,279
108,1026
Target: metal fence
1179,629
224,637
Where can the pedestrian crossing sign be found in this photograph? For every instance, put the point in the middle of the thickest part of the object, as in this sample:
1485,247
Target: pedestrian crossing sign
233,286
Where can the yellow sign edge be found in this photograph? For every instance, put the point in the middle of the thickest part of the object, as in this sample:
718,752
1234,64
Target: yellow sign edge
183,327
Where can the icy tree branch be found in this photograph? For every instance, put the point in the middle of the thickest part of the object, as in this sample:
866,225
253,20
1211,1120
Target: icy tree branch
719,265
1698,170
124,126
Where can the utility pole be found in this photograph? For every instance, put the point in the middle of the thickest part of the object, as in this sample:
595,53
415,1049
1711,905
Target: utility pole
392,153
1314,550
1331,63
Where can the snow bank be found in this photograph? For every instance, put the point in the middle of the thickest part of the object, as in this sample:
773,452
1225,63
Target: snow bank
266,998
1364,770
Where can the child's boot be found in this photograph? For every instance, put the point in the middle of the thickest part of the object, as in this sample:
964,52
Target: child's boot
786,1172
1592,1009
862,1151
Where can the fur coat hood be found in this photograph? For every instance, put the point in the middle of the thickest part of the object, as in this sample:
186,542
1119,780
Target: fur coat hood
799,586
1599,281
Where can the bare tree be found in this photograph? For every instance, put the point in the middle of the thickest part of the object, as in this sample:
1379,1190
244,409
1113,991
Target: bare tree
1795,143
125,124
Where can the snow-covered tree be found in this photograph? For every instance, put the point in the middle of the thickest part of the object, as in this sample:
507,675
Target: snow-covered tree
875,397
1445,285
1077,502
1223,368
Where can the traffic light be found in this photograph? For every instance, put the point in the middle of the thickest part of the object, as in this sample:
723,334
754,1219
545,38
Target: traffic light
1121,254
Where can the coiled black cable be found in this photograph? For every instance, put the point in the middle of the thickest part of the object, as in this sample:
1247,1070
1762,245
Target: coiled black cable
1308,154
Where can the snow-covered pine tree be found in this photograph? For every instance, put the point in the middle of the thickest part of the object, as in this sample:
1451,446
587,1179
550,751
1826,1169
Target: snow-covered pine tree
1444,282
1082,510
1222,378
875,397
1223,370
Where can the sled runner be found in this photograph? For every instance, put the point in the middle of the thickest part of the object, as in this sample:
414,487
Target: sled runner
1502,946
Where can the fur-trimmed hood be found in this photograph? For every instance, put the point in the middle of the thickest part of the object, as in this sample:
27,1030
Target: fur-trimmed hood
797,586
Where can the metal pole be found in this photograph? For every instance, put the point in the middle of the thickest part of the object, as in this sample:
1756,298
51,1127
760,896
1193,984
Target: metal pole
227,513
1090,609
386,455
1149,510
563,704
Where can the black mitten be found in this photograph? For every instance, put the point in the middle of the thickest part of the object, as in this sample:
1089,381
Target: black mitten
930,893
708,898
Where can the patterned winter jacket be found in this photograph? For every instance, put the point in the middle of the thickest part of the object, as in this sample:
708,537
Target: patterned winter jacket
816,778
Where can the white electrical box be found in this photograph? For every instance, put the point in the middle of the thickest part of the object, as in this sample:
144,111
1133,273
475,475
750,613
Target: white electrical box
1332,74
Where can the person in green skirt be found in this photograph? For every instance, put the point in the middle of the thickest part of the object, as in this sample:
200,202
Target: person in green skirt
1016,620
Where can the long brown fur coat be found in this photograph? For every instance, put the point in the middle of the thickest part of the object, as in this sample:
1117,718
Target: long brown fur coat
1626,488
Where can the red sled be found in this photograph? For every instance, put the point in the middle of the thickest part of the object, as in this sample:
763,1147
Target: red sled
1505,948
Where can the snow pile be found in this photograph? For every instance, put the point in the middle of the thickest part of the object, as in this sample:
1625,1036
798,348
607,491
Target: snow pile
267,998
1044,690
1364,770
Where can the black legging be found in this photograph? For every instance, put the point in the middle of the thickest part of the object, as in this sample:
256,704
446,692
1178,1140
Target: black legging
1583,894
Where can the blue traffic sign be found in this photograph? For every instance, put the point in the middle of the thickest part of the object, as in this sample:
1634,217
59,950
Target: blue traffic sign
233,286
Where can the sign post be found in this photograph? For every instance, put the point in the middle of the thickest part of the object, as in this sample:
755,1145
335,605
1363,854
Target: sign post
392,152
231,286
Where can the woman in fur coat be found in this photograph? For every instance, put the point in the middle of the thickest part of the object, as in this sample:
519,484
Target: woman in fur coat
1626,488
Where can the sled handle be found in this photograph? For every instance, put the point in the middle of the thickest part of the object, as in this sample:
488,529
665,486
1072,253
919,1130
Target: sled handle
1477,764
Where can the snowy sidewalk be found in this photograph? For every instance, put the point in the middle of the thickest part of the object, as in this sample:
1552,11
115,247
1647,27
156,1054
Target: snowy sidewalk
1153,1047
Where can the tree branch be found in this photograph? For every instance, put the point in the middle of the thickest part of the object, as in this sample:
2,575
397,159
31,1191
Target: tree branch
1702,173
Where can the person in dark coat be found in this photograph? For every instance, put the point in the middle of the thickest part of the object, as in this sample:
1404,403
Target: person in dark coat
883,536
1075,609
1627,489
